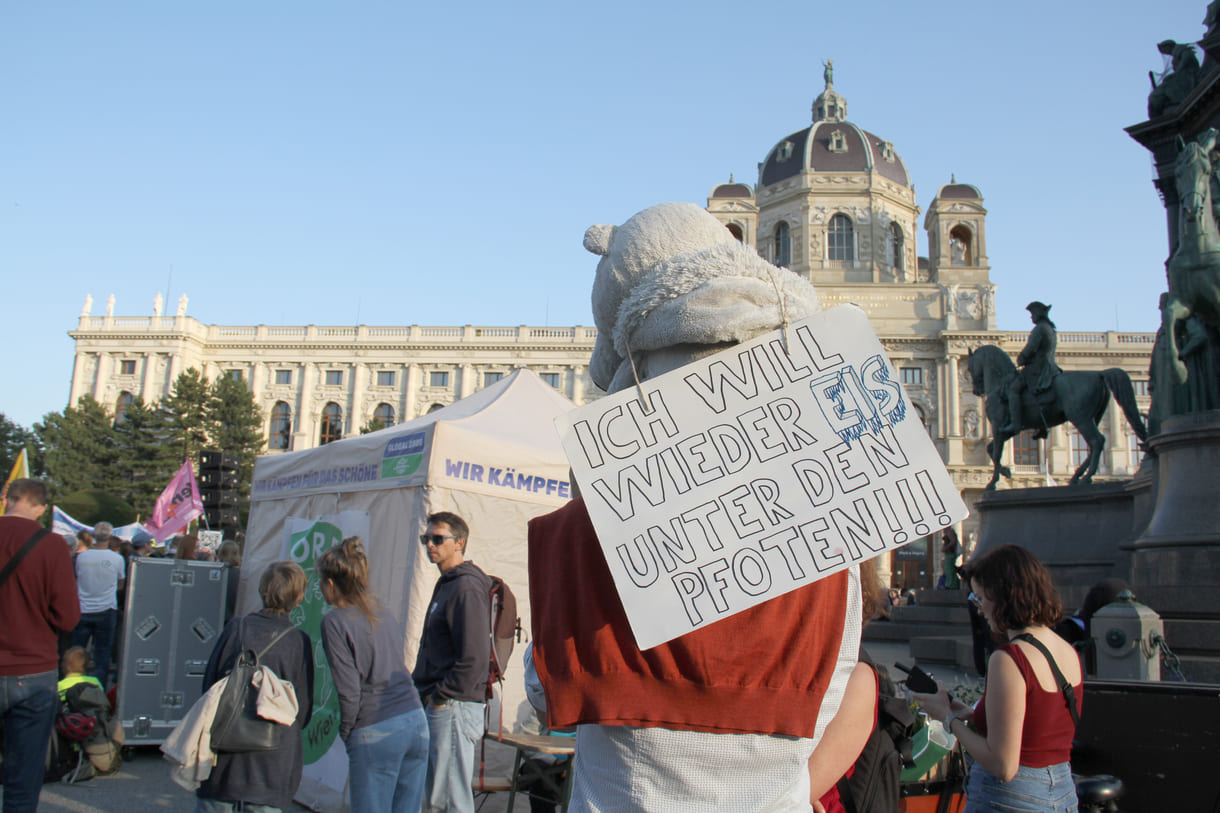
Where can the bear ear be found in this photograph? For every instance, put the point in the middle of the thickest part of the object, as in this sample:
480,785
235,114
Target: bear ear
598,238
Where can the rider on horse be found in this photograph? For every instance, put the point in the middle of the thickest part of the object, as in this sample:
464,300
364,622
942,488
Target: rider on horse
1038,367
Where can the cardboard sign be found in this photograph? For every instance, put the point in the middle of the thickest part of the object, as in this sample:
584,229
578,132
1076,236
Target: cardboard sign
210,540
748,474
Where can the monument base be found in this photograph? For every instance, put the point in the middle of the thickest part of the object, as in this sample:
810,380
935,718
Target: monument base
1074,530
1175,561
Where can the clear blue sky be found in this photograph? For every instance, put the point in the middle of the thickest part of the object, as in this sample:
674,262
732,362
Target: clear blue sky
424,163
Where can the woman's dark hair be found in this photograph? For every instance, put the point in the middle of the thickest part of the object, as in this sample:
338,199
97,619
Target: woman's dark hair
347,568
1018,586
186,547
282,586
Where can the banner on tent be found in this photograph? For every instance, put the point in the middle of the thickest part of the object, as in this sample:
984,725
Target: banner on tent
745,475
305,540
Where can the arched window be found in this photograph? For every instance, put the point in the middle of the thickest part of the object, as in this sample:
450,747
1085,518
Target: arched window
841,240
384,414
280,436
893,249
960,250
435,407
783,245
126,399
332,424
735,230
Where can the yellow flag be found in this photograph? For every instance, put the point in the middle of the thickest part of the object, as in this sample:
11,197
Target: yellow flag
20,469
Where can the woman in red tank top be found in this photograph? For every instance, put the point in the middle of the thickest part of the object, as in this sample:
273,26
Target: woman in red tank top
1020,733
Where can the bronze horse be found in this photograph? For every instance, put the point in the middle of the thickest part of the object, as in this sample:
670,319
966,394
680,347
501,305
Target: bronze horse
1080,398
1194,269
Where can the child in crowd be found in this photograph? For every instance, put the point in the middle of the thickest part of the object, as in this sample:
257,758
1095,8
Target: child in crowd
74,665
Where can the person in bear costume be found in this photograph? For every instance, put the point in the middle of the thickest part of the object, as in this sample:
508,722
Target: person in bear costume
726,716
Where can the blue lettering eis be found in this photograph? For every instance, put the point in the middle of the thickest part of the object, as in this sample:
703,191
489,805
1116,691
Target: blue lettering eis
855,402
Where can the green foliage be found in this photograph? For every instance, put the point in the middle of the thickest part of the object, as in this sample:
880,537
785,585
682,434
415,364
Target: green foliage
14,437
93,505
81,446
236,427
374,425
134,459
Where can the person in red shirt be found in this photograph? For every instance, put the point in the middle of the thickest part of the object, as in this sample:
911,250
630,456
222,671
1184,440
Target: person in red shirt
1020,733
37,602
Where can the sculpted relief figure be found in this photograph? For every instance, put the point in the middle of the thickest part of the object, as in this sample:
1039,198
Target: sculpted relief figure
182,305
88,305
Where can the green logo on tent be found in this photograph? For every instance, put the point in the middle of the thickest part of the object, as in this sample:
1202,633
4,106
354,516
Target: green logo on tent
304,549
402,455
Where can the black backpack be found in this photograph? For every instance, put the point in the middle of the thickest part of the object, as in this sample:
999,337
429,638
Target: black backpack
874,785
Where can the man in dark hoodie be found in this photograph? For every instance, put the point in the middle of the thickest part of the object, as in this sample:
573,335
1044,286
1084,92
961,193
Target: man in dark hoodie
451,668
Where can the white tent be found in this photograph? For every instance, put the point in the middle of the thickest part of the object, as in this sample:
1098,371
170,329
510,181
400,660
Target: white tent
493,458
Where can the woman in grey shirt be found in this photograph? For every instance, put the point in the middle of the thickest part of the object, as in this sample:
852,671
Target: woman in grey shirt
380,717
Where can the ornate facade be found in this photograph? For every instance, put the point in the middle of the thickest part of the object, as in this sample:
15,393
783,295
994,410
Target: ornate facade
833,202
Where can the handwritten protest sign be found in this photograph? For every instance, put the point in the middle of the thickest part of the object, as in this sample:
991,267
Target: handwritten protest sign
753,472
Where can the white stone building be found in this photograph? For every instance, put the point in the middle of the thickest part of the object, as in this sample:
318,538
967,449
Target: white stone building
833,202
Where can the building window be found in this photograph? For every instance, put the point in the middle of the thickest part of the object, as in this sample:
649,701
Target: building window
783,245
550,378
735,230
334,378
784,152
332,424
491,378
126,399
234,374
1135,453
385,378
280,436
1141,388
438,378
893,249
127,367
384,414
838,143
959,246
841,239
912,376
1080,447
1025,450
283,376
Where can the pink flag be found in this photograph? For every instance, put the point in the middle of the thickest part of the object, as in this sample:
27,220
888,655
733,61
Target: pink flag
178,504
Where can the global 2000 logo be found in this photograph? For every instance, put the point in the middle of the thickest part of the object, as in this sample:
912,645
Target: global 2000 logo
402,455
304,549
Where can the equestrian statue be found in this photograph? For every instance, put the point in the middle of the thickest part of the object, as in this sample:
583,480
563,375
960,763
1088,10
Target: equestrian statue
1040,395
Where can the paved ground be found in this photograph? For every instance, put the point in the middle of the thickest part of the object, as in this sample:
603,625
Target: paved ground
143,785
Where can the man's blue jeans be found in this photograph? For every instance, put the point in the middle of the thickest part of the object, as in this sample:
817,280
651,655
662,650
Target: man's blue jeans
27,713
99,627
388,763
453,729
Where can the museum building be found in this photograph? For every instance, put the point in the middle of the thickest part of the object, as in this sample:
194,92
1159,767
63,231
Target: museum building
833,202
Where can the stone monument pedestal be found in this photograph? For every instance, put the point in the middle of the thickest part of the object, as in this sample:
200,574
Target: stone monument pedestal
1175,561
1075,530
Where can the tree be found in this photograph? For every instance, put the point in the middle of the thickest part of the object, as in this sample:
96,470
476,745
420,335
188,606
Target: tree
13,438
81,448
373,425
185,411
235,424
147,457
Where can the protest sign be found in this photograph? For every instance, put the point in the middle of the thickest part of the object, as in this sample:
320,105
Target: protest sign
210,540
745,475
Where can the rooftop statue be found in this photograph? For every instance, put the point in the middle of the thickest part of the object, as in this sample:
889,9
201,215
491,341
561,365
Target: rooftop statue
1178,83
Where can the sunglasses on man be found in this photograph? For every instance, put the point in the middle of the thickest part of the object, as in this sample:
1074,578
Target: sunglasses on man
435,540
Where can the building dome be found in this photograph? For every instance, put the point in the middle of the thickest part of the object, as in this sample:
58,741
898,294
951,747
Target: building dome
832,145
732,189
953,189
